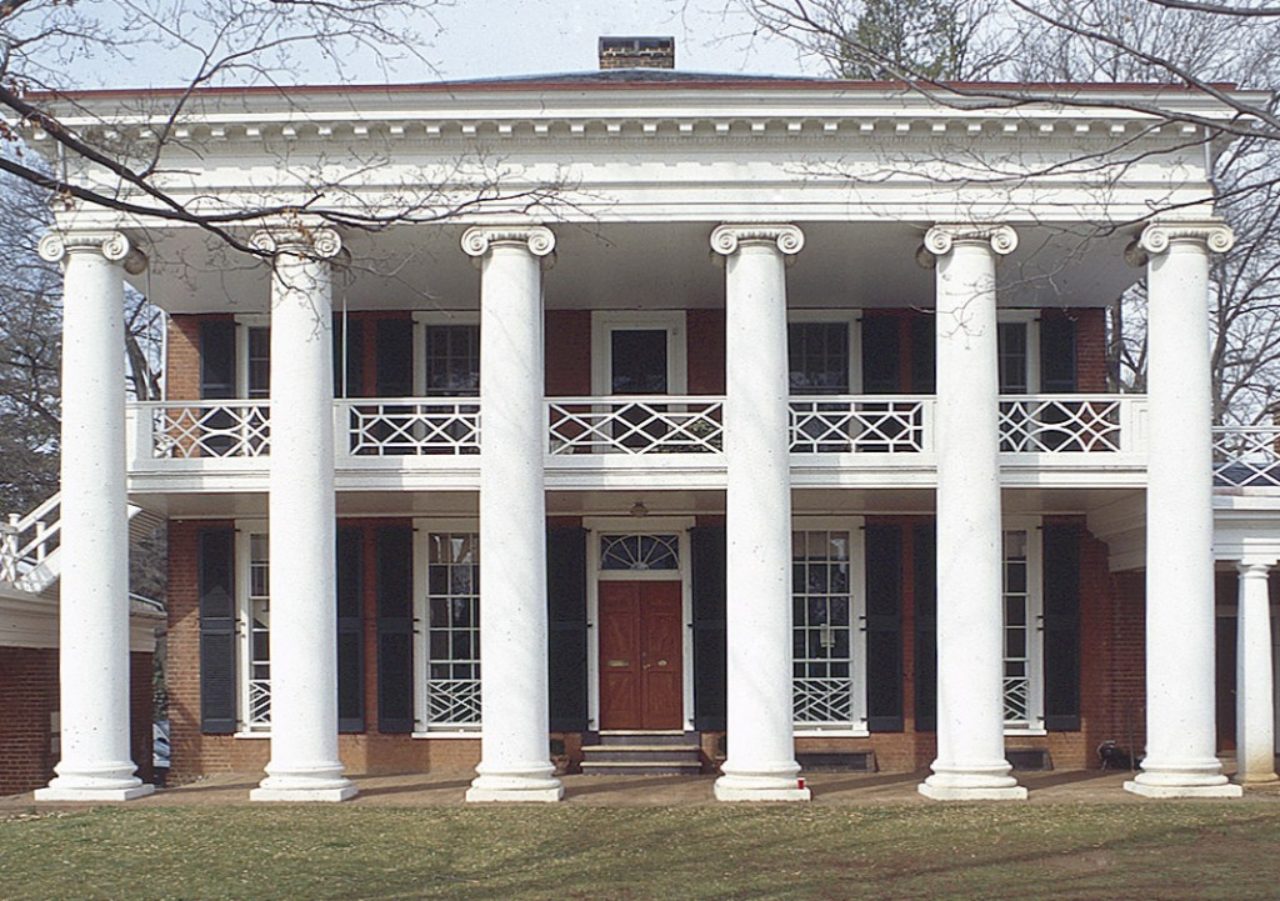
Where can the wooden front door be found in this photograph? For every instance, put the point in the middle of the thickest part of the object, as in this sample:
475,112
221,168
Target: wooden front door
641,655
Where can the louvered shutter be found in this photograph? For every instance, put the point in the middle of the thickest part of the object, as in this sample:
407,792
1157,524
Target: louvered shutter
215,569
567,628
394,589
708,547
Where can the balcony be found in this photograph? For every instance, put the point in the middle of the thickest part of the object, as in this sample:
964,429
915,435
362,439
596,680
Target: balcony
665,440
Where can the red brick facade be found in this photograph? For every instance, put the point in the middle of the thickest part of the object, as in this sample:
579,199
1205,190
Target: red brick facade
29,686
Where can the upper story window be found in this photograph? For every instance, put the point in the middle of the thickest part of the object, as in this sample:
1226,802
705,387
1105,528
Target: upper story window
819,357
1014,354
452,360
257,362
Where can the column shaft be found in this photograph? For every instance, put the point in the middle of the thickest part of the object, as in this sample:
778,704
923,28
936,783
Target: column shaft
971,762
1181,735
304,658
515,757
94,593
761,764
1255,691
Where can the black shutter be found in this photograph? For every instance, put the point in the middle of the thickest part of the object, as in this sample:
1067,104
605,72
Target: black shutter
707,544
350,578
1061,627
395,628
567,628
348,335
1057,353
880,354
217,359
394,369
884,628
215,575
925,574
924,352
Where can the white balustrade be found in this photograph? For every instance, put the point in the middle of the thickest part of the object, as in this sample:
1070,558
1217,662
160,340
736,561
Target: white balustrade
658,424
1061,423
865,424
1246,456
410,427
220,428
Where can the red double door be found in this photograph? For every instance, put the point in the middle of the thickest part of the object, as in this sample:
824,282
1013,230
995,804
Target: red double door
641,655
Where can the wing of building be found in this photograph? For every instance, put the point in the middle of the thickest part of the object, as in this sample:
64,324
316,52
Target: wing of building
668,421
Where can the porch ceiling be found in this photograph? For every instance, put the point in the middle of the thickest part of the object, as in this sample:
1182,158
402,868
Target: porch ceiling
636,266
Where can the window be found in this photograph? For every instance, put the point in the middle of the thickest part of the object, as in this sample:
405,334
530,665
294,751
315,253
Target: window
450,654
818,354
639,553
258,377
1014,372
255,630
452,360
827,652
1023,692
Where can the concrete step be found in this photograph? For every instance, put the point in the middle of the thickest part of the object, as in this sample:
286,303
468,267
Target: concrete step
632,737
646,768
642,754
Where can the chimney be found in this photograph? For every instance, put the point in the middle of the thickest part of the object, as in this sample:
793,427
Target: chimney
637,53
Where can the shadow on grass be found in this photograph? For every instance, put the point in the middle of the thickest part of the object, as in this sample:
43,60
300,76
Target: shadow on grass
408,788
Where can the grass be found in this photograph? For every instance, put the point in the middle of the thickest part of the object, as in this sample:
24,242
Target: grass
1201,850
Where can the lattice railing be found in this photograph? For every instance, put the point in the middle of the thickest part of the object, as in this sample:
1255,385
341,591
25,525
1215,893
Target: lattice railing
1065,423
870,424
658,424
29,540
1017,699
408,427
224,428
259,703
1246,457
453,702
822,700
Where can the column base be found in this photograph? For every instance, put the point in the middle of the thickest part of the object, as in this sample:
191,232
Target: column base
972,793
319,782
534,783
1225,790
303,794
93,795
782,786
1256,779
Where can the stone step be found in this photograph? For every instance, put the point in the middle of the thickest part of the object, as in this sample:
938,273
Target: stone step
642,754
666,738
647,768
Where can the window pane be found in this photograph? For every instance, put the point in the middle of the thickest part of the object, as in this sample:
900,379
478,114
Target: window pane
453,671
453,360
819,357
639,361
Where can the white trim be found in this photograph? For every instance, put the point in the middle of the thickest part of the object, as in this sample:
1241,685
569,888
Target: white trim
423,528
636,525
245,529
605,322
1033,526
855,525
851,316
244,322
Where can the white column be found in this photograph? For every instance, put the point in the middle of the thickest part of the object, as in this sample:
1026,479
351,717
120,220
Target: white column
93,658
762,763
1181,756
304,642
515,763
1255,692
971,764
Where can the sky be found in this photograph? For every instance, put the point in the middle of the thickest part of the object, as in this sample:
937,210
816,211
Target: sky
485,38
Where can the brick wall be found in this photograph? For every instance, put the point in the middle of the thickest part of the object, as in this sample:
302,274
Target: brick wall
29,687
705,340
1091,349
182,369
568,352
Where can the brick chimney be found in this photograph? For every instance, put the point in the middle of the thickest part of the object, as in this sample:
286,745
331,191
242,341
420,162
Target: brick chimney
637,53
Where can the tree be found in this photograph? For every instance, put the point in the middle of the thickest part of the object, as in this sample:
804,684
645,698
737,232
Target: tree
1030,45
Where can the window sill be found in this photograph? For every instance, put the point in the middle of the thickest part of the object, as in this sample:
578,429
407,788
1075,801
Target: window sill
849,732
1025,731
251,735
455,733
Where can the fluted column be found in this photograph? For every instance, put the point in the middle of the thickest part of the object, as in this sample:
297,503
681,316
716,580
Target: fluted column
971,764
1181,756
515,763
761,765
93,656
1255,690
303,638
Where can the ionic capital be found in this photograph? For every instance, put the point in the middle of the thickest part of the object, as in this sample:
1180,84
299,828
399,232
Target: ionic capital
320,243
114,247
939,240
1253,569
478,240
1158,237
726,239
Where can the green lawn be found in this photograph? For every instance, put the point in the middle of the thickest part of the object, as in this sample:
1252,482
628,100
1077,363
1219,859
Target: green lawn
891,851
